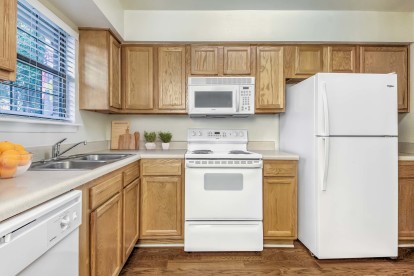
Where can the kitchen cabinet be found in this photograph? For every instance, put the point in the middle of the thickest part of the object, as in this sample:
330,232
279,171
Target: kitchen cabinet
220,60
110,221
162,189
270,82
8,28
303,61
279,201
343,59
406,202
99,71
137,77
154,79
384,59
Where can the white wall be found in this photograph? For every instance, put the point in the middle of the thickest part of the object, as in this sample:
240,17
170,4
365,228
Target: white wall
313,26
114,12
260,127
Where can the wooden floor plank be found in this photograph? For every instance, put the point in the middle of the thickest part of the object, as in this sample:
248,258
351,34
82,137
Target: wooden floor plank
271,261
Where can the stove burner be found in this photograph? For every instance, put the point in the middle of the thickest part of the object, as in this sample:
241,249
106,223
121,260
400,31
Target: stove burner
239,152
202,152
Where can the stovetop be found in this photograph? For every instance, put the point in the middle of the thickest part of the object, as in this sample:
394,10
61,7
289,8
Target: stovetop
233,154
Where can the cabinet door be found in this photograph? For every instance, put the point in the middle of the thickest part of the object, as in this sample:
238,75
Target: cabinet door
106,238
130,215
161,207
114,73
309,60
406,208
270,84
8,15
204,60
389,60
279,207
138,77
237,60
171,78
343,59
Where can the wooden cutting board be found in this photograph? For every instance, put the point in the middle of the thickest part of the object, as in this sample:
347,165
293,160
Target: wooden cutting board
126,140
118,128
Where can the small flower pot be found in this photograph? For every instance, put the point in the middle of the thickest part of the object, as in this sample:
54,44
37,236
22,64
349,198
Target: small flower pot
150,146
165,146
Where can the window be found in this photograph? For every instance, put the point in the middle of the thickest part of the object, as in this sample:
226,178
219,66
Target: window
45,76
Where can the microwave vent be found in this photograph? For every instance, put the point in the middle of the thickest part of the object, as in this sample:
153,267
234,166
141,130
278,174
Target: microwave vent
221,81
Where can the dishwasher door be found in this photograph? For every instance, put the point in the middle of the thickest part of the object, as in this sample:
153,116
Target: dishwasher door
43,240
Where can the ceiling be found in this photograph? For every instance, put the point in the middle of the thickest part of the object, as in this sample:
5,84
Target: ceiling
353,5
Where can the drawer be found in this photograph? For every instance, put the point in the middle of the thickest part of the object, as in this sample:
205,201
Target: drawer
105,190
405,169
130,173
279,168
161,167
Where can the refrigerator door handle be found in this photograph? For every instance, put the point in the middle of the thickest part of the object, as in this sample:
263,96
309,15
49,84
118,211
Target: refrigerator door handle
325,109
325,163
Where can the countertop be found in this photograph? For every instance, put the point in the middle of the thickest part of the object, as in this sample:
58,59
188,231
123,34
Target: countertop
35,187
406,156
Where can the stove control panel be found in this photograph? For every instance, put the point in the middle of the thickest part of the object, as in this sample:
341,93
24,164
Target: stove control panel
225,135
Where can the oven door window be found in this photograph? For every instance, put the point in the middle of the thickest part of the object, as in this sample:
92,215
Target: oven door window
223,182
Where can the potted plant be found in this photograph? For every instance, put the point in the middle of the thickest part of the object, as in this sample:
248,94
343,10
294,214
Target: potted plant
150,139
165,137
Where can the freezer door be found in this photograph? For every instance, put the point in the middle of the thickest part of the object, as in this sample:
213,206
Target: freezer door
357,197
356,104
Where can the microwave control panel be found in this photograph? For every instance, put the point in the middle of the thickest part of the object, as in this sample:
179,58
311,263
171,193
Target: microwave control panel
246,104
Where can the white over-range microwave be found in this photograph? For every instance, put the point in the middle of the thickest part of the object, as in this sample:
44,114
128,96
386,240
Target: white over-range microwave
220,96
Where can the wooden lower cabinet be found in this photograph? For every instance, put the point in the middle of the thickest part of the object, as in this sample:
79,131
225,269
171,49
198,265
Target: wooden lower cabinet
162,201
131,217
110,222
406,202
106,238
280,202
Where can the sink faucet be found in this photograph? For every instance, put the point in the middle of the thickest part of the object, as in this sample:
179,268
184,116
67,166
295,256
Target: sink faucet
56,148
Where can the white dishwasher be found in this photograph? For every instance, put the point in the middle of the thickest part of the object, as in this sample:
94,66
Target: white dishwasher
43,240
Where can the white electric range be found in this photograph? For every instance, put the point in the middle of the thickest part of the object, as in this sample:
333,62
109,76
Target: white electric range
223,192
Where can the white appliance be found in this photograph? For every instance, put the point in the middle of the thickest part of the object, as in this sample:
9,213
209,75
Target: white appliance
223,192
43,240
344,128
220,96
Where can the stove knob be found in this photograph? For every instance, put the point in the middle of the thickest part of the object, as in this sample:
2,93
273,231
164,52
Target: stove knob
193,133
200,133
241,134
236,133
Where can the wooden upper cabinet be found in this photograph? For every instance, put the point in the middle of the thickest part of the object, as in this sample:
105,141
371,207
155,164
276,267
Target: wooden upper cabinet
137,77
389,60
220,60
343,59
236,60
99,71
270,83
115,99
8,57
204,60
305,60
171,78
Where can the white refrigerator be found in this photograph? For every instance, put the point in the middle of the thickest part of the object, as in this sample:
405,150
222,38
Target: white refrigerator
344,127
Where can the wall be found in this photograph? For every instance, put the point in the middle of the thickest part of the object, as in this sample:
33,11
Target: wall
336,26
260,127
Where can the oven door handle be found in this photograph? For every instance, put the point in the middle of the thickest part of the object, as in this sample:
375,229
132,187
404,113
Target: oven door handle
207,166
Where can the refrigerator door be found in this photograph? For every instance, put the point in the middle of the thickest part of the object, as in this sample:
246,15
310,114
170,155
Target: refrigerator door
357,184
356,104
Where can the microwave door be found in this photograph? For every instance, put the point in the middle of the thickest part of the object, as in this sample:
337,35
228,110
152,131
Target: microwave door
213,100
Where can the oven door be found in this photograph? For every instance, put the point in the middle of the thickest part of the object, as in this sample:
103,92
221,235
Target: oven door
206,100
223,194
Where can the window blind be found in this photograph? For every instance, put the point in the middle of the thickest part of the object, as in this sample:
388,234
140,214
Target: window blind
45,76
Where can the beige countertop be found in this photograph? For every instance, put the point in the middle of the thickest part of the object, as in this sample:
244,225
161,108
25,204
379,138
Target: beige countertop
35,187
406,156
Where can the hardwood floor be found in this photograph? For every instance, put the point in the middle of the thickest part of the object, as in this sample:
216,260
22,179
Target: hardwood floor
272,261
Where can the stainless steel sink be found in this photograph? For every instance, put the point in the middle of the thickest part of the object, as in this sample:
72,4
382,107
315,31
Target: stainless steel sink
102,157
78,162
